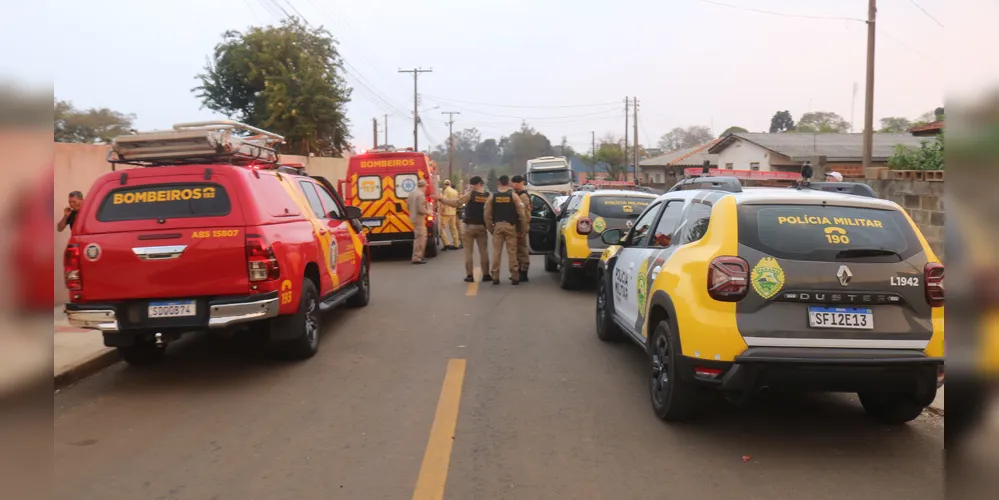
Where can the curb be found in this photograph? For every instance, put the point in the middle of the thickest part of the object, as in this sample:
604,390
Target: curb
86,367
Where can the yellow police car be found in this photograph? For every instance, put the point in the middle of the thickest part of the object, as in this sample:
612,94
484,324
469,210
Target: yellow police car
821,288
569,237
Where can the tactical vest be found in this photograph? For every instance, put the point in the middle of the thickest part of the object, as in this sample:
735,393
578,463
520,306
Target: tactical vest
505,207
475,209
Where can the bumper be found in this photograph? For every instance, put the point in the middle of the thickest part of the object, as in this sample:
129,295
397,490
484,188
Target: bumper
822,370
588,265
212,313
386,239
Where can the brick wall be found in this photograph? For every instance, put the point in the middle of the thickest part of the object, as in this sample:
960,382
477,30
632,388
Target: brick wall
923,200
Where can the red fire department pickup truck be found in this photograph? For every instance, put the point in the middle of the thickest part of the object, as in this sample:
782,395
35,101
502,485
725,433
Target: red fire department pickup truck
211,233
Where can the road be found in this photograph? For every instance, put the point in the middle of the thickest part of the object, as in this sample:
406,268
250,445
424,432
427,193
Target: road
537,406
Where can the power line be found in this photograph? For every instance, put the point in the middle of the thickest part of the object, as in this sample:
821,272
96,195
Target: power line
521,117
524,105
920,7
783,14
906,46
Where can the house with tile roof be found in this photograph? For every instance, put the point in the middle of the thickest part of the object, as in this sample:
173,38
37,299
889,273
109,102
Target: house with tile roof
928,129
785,152
668,168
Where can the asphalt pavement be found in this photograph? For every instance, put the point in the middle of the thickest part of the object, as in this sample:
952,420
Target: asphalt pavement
442,389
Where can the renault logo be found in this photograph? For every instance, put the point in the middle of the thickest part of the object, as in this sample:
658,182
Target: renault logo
844,275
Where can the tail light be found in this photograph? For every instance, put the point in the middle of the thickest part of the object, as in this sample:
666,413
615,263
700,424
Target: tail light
260,260
933,276
728,279
584,225
71,267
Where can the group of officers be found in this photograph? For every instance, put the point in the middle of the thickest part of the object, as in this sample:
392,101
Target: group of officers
505,214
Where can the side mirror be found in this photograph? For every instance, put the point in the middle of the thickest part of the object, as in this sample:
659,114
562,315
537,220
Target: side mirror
352,212
612,237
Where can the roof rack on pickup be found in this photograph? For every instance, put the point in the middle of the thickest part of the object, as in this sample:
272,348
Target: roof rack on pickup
729,184
219,141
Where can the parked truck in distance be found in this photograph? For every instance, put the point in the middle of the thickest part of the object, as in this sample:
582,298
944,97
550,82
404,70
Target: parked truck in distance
549,175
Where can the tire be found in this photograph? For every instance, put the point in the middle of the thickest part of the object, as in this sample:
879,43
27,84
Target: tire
551,265
305,321
891,408
141,353
607,329
363,295
673,398
568,278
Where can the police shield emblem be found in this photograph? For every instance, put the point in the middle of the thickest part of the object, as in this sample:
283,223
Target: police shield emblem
767,277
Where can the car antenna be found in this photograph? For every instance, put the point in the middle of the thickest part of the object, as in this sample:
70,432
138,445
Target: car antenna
706,171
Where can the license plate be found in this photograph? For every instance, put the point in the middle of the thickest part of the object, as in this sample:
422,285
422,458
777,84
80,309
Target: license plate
841,317
173,309
371,222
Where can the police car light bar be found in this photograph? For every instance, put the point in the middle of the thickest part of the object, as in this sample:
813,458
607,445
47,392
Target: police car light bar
197,142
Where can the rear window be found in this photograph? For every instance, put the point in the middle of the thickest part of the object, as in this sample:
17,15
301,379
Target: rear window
619,207
164,201
827,233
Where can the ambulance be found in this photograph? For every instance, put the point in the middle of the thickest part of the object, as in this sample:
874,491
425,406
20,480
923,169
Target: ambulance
379,182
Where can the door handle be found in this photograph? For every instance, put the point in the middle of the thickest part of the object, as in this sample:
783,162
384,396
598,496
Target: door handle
322,231
398,207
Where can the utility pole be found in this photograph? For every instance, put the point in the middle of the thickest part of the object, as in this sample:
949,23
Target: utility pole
386,129
593,146
872,12
450,141
635,135
374,124
627,104
416,112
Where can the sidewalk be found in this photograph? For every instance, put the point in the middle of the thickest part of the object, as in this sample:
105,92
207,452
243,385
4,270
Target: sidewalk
938,404
77,353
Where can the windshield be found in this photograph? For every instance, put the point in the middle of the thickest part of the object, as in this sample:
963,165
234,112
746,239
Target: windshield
549,177
827,233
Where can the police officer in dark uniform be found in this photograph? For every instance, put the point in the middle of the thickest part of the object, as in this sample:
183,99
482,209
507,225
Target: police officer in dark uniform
505,218
474,227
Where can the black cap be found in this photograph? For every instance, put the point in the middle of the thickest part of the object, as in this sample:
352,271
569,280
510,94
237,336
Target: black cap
475,181
517,178
504,180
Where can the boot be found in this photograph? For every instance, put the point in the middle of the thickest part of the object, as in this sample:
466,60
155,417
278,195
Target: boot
486,277
469,279
523,276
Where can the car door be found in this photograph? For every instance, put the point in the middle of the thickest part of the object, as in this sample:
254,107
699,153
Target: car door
660,244
541,237
634,252
324,226
570,208
346,255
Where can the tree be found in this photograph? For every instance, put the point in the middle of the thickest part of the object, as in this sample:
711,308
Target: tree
929,156
488,152
286,79
522,145
822,122
680,138
930,117
895,125
611,157
733,130
564,149
781,122
89,126
492,180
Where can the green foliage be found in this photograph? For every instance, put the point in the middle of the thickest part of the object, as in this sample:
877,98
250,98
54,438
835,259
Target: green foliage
680,138
929,156
895,125
781,122
822,122
492,180
89,126
286,79
733,130
522,145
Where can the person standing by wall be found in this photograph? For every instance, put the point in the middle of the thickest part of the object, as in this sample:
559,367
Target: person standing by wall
523,251
418,211
448,217
473,229
505,218
70,212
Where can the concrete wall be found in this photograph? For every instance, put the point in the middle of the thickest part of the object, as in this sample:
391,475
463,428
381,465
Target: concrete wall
77,166
924,201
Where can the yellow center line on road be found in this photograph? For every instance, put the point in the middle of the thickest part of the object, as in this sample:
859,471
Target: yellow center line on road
437,458
473,288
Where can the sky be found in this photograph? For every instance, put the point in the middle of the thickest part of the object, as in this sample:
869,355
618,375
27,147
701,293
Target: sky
563,66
